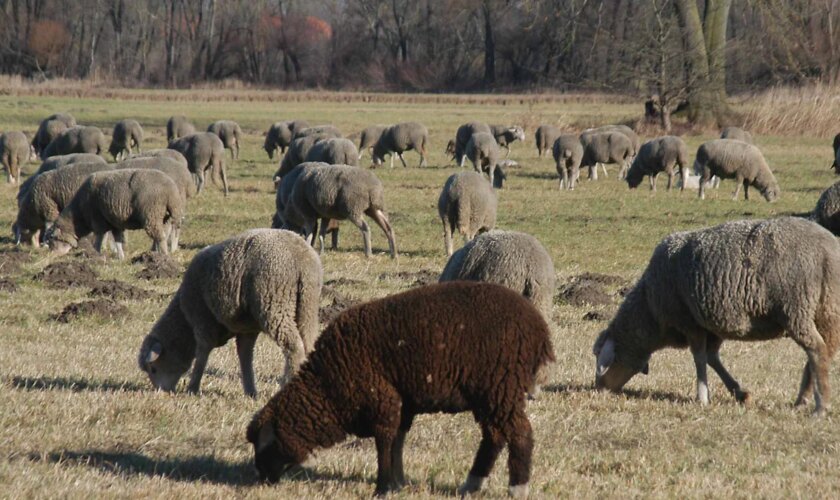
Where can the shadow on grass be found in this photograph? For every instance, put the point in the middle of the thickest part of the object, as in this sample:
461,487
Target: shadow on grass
205,468
536,175
629,393
74,384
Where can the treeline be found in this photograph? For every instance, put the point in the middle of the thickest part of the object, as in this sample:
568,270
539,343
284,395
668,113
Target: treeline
429,45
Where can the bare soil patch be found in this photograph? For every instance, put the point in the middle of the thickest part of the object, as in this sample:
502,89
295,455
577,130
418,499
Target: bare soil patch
68,274
584,292
100,308
117,290
12,260
158,266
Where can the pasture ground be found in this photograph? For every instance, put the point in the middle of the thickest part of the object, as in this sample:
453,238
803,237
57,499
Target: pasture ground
79,419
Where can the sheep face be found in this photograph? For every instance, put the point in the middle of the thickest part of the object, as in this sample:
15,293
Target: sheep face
161,365
634,177
612,371
270,460
450,148
60,243
771,193
518,133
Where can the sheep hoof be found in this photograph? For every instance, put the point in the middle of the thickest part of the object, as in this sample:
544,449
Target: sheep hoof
473,484
518,491
743,397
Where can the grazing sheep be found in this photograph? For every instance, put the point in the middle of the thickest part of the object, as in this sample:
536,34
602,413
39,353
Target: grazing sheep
737,134
280,134
603,148
334,152
462,137
50,128
568,153
76,140
230,133
116,201
421,351
15,151
46,196
326,131
742,280
262,280
509,258
483,152
635,141
203,151
368,137
545,136
827,211
466,204
341,192
178,126
296,155
659,155
127,135
162,153
836,146
288,218
400,138
732,159
505,135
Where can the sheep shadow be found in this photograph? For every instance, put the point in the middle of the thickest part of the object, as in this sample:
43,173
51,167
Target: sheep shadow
537,175
647,395
74,384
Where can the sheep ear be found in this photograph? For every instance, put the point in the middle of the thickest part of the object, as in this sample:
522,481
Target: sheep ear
154,353
646,369
605,358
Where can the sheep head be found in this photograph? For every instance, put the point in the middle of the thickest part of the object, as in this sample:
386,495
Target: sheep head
517,132
161,364
270,460
60,242
771,192
634,177
617,361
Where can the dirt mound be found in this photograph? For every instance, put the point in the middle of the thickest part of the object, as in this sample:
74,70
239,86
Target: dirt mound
338,305
85,248
118,290
158,267
150,258
100,308
7,285
603,279
12,260
67,274
418,278
584,292
596,316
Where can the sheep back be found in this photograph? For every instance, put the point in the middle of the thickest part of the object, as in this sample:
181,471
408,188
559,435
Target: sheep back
737,134
176,171
77,140
326,131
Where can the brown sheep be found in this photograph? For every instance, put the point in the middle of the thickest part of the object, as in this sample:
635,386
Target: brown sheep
422,351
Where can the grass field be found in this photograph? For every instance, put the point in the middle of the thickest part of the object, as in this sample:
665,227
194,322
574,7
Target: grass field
79,419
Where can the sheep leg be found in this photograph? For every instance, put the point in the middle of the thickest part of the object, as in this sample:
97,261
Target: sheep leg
325,224
564,175
652,182
670,180
713,344
593,172
746,190
492,443
119,242
507,154
684,177
334,232
422,152
400,156
818,358
392,160
365,229
447,237
806,387
397,450
738,181
223,173
698,350
520,441
202,353
604,168
381,220
245,350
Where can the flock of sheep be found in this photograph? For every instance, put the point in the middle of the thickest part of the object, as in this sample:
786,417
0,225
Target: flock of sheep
377,365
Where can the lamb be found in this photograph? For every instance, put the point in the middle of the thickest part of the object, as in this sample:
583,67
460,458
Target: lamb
285,217
262,280
659,155
605,147
15,151
836,146
178,126
76,140
46,196
568,154
505,135
400,138
230,133
127,134
50,128
162,153
203,151
279,136
392,348
732,159
545,136
827,211
742,280
341,192
296,155
483,152
466,204
737,134
462,137
515,260
116,201
334,152
368,137
326,131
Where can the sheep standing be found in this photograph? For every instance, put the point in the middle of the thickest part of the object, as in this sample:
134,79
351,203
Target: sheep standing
603,148
368,137
483,152
659,155
116,201
50,128
203,151
742,280
737,134
280,134
262,280
467,204
568,154
15,151
380,364
827,211
334,152
508,258
400,138
462,137
46,196
178,126
127,134
545,136
230,133
341,192
76,140
507,134
285,217
733,159
836,146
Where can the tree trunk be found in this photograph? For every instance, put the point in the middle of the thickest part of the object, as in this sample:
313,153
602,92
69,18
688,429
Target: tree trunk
716,17
489,45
